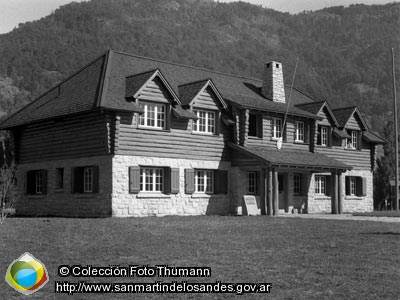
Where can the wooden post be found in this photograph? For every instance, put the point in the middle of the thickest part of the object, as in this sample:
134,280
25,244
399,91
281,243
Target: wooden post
263,194
269,192
340,196
275,203
334,193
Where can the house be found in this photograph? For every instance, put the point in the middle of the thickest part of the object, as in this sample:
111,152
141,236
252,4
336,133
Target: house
133,136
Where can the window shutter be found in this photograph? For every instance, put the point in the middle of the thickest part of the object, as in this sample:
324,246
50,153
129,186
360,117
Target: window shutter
329,133
319,135
364,186
30,182
328,185
347,185
189,181
361,189
359,140
259,126
77,180
134,179
174,180
306,132
95,179
44,181
220,182
167,180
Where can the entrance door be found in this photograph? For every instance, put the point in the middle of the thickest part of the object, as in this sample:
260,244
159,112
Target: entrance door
282,190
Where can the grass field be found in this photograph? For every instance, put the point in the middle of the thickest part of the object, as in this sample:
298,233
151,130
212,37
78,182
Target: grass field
302,258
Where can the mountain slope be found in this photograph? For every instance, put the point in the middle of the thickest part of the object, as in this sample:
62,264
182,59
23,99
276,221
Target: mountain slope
344,53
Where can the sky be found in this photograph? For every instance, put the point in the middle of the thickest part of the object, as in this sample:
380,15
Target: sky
14,12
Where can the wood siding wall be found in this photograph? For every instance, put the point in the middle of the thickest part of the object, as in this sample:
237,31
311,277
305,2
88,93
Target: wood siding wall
206,99
353,123
177,142
358,159
289,137
155,91
70,137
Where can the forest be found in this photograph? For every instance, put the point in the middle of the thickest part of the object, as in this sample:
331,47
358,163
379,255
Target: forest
344,52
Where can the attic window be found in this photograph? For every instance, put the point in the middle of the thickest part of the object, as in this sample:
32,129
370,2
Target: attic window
277,66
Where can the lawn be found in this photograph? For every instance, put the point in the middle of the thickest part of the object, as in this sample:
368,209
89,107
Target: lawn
302,258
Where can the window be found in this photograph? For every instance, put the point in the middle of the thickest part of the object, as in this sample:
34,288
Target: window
355,186
299,132
59,178
324,136
276,128
352,185
352,143
255,125
88,180
154,115
85,179
320,185
151,179
297,184
36,182
205,122
251,188
204,181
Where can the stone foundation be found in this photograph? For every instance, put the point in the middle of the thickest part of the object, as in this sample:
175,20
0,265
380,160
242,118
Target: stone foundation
125,204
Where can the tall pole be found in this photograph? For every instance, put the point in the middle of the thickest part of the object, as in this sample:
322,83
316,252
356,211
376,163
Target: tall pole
396,135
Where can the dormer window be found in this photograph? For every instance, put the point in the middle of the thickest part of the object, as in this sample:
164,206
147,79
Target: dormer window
154,115
205,122
323,136
352,142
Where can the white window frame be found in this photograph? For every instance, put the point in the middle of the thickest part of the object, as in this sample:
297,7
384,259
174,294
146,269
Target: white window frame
276,128
299,132
206,121
353,186
353,141
320,185
251,187
88,180
153,113
297,184
38,182
324,136
204,181
152,179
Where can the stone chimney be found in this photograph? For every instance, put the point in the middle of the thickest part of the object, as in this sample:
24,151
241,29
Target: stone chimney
273,87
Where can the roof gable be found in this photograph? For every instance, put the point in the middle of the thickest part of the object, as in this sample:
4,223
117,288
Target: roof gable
350,118
322,109
191,93
137,84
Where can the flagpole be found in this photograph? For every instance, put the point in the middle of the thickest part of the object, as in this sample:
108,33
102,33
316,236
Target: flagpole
396,135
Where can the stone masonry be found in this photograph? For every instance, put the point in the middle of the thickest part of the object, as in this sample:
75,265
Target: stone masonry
125,204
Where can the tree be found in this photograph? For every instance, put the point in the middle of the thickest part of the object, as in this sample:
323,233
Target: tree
385,167
8,191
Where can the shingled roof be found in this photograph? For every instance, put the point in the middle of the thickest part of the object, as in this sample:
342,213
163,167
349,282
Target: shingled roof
102,84
291,158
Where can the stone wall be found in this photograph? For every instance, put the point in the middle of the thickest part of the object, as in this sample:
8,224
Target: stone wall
61,202
125,204
322,204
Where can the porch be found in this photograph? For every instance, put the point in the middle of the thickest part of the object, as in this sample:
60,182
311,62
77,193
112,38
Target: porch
287,181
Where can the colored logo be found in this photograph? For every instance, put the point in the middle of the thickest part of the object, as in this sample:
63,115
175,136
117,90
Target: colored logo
26,274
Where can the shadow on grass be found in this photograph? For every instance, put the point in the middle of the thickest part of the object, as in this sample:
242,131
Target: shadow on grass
381,233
